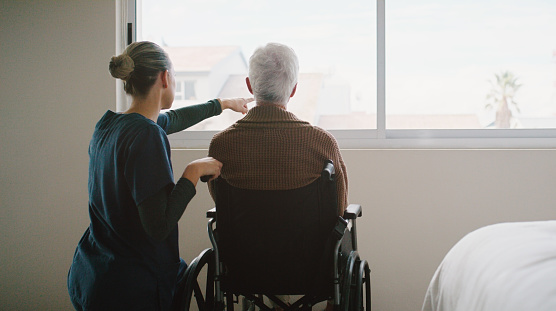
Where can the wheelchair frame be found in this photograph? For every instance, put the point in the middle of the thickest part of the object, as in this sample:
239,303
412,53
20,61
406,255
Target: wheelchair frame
351,275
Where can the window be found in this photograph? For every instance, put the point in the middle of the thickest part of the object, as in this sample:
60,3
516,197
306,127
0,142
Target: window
401,74
185,91
210,43
470,64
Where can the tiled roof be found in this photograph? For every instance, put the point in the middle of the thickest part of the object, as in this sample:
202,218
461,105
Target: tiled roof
198,59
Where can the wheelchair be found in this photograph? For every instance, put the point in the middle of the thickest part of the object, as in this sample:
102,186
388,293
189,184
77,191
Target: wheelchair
267,243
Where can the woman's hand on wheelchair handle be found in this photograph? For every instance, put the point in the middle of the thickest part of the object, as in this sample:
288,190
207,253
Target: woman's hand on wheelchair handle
202,167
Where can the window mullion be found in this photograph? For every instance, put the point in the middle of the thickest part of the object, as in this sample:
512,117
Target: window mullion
380,81
127,19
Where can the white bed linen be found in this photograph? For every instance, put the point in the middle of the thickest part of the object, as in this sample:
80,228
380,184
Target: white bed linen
507,266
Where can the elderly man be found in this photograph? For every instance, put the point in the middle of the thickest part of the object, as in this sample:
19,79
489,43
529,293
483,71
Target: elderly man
270,148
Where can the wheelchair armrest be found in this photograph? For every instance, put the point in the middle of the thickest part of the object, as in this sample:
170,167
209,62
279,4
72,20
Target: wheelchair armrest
353,211
211,213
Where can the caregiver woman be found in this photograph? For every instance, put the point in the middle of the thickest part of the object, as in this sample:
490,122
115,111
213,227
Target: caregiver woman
128,258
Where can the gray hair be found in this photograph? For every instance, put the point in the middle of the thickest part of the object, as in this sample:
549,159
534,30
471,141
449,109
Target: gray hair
273,71
139,65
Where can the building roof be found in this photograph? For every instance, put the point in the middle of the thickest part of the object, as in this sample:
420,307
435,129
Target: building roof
199,58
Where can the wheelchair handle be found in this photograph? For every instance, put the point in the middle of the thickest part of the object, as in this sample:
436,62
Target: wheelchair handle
328,171
206,178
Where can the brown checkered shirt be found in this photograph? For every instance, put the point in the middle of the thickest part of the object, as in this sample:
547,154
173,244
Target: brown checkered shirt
271,149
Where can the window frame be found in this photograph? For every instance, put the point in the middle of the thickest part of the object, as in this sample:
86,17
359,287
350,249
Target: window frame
185,87
379,138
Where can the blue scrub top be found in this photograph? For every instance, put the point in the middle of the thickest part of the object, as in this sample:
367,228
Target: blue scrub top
117,266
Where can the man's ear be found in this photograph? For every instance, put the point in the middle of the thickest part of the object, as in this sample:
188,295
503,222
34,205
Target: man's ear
248,85
164,78
294,89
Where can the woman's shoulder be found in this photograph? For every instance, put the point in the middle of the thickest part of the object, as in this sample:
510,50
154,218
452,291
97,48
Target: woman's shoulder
127,127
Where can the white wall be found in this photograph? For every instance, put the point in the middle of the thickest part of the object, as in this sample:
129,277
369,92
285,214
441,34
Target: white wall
55,86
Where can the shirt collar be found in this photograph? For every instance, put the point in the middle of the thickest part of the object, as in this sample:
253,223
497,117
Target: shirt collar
270,113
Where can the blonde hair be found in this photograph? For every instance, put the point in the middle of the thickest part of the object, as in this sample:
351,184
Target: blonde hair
139,65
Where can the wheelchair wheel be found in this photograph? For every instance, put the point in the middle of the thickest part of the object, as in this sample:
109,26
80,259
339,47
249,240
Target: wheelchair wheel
192,288
347,283
356,285
362,299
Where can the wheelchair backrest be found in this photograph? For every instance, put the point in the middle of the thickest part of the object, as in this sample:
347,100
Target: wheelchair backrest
274,241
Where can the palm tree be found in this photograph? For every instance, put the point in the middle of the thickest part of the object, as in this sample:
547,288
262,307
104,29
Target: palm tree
501,96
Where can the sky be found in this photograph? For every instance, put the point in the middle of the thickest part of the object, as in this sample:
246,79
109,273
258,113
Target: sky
440,54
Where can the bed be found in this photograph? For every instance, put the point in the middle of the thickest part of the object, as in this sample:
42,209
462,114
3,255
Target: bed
507,266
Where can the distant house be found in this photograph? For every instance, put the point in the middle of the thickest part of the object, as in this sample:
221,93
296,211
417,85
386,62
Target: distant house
201,72
204,73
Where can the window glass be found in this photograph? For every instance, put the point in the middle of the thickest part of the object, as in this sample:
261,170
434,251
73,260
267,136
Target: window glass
210,41
185,90
472,64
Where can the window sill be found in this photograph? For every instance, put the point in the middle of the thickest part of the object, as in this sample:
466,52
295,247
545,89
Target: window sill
409,139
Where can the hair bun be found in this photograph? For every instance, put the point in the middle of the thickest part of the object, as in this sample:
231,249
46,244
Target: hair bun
121,67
